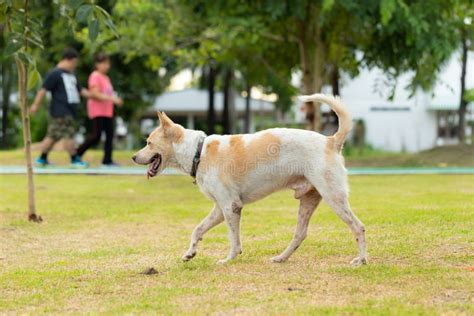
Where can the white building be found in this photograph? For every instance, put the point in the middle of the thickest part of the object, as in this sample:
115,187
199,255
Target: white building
411,124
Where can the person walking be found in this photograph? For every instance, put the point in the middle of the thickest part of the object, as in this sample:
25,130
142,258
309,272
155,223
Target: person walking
100,109
65,91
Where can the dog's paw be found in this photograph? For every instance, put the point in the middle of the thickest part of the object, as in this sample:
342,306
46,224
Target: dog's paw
188,256
223,261
357,262
278,259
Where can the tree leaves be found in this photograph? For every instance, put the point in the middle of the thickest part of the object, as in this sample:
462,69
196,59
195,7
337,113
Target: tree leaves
25,58
92,15
387,7
74,4
83,13
34,77
14,43
93,29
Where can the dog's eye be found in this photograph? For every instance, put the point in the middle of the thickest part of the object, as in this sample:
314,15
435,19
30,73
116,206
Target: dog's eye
148,143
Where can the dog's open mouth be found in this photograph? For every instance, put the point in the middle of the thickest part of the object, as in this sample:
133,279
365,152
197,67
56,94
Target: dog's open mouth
153,166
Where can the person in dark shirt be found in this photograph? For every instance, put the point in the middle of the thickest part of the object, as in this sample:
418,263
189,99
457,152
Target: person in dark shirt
65,91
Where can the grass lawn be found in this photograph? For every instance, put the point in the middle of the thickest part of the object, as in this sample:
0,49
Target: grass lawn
100,232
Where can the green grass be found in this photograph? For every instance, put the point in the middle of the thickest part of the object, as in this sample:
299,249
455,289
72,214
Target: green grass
452,156
100,232
445,156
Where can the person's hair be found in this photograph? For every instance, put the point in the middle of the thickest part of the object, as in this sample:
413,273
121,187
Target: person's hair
70,53
100,58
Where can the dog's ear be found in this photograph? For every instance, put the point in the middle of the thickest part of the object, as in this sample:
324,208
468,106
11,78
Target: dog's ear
165,121
172,130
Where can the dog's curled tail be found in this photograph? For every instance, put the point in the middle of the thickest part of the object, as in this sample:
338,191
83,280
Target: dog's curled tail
345,119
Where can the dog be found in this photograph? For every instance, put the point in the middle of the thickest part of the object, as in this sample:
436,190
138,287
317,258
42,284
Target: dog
233,170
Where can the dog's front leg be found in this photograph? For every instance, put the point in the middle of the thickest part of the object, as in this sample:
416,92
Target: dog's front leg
214,218
232,215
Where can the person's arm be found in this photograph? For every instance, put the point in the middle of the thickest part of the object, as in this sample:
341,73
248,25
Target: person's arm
49,84
85,93
38,99
96,94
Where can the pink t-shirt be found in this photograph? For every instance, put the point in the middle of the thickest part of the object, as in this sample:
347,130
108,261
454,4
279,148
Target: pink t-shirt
96,108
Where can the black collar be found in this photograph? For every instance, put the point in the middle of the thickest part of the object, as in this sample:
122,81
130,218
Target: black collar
197,157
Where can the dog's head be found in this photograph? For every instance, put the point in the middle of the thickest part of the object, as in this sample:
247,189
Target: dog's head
159,152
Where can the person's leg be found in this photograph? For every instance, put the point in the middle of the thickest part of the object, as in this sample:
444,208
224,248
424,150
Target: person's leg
109,137
93,138
70,147
68,132
52,136
46,146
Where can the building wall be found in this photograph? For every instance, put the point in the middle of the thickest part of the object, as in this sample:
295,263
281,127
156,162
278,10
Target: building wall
409,131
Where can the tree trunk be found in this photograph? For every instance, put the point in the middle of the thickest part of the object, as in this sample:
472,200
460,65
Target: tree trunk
248,89
335,90
226,112
335,80
462,102
211,113
313,59
25,118
22,88
6,90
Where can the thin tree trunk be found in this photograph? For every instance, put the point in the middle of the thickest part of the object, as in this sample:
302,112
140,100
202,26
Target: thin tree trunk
211,113
248,89
462,102
335,80
335,88
22,89
226,113
313,59
6,89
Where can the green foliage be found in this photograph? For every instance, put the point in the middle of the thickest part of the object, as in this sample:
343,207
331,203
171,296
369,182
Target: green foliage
21,39
469,95
39,125
416,36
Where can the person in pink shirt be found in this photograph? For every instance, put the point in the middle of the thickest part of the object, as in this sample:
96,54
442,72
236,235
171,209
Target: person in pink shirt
100,109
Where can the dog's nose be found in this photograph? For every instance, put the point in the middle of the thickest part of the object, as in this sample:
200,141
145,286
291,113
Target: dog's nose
134,158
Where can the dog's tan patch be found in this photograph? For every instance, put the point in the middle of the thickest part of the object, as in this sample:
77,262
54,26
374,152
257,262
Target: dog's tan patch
237,159
212,149
329,151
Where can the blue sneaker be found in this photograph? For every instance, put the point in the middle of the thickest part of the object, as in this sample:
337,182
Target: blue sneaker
40,162
78,163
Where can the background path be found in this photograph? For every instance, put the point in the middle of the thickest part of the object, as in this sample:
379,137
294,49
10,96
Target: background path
142,170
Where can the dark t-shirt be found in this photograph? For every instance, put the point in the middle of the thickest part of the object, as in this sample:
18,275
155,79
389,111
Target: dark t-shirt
65,89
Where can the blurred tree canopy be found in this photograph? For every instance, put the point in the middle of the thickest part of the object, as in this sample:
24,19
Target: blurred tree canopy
259,43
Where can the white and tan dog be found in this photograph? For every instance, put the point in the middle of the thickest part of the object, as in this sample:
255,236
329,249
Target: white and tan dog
233,170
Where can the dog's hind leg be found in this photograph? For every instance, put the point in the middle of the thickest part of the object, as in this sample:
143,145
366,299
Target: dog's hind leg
340,205
232,214
334,190
214,218
308,203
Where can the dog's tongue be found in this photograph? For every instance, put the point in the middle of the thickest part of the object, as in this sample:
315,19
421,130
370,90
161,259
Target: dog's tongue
152,168
149,173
